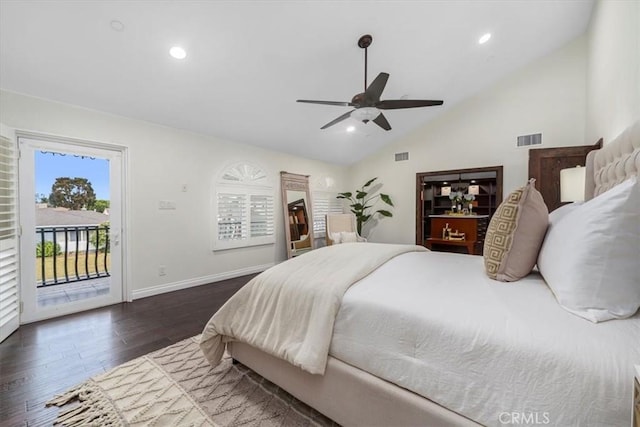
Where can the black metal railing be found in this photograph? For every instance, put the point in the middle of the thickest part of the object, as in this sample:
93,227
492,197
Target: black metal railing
71,254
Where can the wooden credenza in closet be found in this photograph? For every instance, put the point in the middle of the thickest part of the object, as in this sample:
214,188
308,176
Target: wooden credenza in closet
473,226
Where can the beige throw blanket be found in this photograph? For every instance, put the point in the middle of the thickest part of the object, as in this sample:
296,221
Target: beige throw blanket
289,310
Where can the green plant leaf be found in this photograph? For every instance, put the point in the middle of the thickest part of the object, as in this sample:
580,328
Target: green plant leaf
365,218
361,194
384,213
357,206
368,183
343,195
385,198
355,213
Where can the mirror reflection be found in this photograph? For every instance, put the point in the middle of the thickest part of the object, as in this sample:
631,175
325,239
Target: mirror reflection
295,197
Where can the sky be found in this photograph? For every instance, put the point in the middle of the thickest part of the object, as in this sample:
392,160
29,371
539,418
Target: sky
49,167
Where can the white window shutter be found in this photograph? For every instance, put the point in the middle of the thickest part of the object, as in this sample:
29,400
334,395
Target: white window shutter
324,203
9,302
262,216
232,221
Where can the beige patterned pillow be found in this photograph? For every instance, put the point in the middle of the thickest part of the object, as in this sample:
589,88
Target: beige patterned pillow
515,234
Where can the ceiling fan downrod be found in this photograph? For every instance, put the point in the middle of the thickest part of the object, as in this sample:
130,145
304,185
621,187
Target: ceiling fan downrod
364,42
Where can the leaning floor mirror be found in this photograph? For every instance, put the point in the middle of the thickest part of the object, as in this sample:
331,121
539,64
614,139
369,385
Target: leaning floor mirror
296,205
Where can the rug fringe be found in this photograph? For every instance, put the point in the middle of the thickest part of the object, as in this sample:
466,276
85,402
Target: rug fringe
92,409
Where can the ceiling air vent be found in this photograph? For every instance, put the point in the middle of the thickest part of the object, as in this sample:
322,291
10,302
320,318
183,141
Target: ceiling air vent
533,139
402,156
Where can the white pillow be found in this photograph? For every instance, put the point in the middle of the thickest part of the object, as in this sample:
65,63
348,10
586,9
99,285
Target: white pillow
348,237
335,237
554,216
590,256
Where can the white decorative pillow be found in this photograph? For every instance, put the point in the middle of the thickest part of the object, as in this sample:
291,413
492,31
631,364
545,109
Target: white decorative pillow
590,256
335,237
348,237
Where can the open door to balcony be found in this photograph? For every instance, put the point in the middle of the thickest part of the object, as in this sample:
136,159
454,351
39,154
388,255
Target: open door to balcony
71,219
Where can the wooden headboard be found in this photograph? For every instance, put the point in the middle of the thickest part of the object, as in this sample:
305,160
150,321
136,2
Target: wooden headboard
614,163
545,165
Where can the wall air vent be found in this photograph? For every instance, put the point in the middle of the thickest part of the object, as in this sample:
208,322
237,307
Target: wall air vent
402,156
527,140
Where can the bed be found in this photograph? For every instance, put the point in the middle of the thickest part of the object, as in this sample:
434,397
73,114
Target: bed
461,349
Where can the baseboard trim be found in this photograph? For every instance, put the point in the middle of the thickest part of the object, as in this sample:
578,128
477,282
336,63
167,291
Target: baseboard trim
198,281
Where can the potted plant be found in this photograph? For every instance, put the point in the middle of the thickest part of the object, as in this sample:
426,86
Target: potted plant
362,202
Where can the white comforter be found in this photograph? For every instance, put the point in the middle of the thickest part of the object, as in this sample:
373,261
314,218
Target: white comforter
495,352
288,311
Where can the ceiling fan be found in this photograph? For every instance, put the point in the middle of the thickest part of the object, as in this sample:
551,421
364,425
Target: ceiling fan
367,105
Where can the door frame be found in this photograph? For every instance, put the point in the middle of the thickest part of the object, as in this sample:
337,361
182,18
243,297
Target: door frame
125,199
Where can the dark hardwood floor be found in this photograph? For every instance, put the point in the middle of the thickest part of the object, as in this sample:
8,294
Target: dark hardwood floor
44,358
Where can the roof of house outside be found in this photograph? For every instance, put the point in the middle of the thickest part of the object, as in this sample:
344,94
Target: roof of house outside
51,217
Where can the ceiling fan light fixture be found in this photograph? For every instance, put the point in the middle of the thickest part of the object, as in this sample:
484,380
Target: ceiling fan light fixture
365,114
485,38
178,52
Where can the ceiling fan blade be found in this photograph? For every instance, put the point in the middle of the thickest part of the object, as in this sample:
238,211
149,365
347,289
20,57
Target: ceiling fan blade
376,87
381,121
341,104
338,120
394,104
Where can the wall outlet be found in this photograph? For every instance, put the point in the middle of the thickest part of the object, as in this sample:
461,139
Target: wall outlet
162,270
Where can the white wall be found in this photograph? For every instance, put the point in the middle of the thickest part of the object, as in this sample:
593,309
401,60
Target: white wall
613,76
161,160
546,96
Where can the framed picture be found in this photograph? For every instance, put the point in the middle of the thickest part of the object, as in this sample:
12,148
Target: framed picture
474,189
445,191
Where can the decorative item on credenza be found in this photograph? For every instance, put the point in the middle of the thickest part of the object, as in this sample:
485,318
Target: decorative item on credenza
458,200
448,234
455,235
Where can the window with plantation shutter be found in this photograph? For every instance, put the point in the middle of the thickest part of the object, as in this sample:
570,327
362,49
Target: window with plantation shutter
324,203
244,202
261,215
9,303
231,216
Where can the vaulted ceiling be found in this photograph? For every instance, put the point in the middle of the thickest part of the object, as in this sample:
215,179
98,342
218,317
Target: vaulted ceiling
248,61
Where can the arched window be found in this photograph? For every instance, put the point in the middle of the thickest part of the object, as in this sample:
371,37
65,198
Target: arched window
244,200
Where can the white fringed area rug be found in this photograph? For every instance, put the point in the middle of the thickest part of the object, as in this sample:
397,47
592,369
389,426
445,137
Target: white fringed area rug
176,386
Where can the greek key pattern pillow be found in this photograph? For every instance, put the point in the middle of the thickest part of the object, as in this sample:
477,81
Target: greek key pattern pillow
515,234
497,242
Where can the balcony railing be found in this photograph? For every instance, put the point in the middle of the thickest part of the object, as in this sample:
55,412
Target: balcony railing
71,254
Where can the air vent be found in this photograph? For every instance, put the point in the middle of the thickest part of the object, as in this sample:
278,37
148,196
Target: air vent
533,139
402,156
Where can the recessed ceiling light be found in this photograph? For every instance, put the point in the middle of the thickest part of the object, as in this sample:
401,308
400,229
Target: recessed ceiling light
351,128
485,38
117,25
178,52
